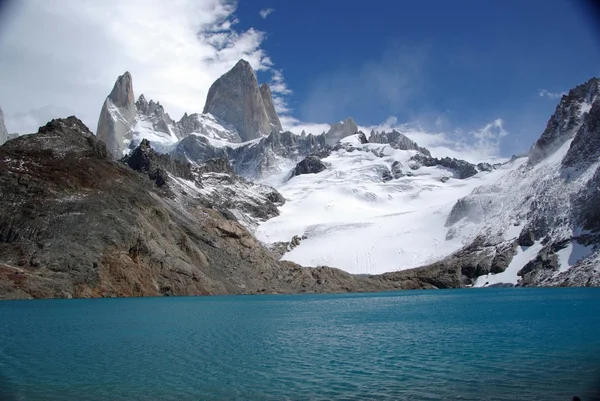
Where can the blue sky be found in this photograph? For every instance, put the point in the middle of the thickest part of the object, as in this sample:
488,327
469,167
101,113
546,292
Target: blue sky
449,64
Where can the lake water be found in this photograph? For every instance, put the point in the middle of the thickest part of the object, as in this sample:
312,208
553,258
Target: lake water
488,344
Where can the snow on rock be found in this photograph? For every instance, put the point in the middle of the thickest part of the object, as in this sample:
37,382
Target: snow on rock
510,276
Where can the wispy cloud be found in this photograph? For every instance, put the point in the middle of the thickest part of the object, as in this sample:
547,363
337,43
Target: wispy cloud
387,83
265,13
174,50
550,95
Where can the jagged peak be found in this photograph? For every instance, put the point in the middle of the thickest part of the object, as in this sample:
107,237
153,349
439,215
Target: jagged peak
242,65
566,120
122,92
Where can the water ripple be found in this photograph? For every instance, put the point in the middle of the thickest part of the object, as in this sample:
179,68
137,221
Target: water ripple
501,344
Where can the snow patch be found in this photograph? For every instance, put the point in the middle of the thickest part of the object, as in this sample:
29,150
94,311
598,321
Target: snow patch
509,276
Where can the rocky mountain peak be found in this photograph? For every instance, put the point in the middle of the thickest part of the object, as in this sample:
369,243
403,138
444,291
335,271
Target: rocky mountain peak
236,98
118,116
3,131
566,120
265,91
122,93
341,130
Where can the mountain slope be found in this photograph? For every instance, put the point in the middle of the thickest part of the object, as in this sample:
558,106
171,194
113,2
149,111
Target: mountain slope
75,223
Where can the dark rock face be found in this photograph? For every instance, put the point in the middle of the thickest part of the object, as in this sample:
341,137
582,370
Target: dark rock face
397,141
546,260
565,121
362,138
397,169
144,159
485,167
310,165
117,116
138,240
585,148
460,168
3,131
236,98
527,238
586,210
265,92
504,255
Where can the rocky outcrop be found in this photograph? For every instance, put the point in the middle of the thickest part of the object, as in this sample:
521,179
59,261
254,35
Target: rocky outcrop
340,130
267,97
157,166
236,98
461,169
485,167
566,120
3,131
118,116
309,165
397,140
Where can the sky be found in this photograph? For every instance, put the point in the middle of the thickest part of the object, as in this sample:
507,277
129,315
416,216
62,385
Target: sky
467,77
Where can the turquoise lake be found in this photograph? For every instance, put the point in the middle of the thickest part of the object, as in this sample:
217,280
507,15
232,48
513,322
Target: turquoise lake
487,344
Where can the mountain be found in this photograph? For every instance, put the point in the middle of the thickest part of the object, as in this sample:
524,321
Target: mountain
195,208
76,223
236,98
118,116
543,208
3,131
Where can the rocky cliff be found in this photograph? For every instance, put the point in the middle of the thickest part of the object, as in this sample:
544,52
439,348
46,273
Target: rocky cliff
236,98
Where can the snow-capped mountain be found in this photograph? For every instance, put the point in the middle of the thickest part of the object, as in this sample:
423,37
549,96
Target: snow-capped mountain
384,203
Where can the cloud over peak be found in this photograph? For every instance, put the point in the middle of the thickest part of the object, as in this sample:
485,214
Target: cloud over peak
550,95
174,50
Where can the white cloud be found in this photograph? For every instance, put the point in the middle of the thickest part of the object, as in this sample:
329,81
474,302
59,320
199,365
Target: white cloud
265,13
174,51
550,95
